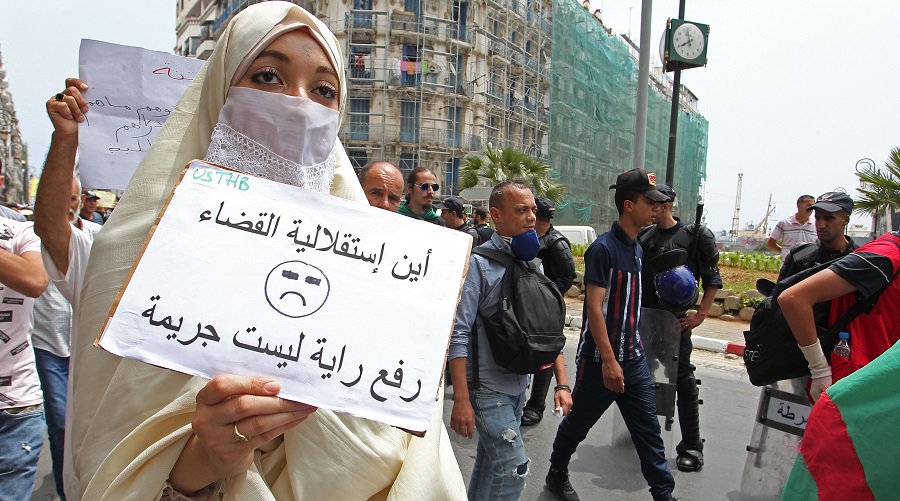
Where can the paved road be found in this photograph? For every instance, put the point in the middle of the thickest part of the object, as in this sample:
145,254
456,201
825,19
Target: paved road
600,470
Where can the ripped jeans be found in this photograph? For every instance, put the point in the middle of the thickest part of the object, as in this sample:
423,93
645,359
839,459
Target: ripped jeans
21,438
500,461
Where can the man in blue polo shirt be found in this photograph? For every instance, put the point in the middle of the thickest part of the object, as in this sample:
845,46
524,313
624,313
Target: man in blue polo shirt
611,366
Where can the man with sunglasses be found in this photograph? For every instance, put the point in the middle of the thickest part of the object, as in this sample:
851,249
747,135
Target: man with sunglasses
421,185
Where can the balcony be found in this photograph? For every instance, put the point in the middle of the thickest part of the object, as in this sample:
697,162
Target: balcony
426,136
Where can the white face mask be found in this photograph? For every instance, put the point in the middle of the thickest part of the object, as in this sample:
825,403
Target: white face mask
284,138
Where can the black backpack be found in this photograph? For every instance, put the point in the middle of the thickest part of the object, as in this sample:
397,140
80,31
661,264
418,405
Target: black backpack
526,332
771,353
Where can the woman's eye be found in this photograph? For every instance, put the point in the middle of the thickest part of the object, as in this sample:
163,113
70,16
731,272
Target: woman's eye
267,76
326,91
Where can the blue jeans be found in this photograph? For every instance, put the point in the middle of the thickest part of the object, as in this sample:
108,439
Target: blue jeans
500,461
590,399
54,374
21,438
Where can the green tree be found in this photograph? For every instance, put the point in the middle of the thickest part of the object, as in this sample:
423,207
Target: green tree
881,190
496,166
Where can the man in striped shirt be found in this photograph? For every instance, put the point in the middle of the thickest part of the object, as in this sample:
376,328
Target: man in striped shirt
610,362
793,230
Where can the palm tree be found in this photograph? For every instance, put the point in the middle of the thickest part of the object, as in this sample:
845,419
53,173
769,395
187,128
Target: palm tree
880,190
496,166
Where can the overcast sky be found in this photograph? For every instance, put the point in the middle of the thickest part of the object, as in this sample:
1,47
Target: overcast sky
795,92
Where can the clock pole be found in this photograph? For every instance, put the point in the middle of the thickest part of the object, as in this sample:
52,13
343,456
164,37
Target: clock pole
673,119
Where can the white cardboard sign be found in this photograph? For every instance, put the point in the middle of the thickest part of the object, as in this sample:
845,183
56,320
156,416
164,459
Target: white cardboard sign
131,94
348,306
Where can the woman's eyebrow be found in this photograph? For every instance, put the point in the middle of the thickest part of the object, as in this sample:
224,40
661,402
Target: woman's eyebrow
324,68
281,56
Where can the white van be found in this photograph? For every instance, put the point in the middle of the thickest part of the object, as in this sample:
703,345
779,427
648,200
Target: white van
578,234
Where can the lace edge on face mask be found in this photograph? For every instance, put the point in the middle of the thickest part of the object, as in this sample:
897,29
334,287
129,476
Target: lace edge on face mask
230,148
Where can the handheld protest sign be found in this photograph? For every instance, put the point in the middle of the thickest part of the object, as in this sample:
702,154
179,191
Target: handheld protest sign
348,306
132,92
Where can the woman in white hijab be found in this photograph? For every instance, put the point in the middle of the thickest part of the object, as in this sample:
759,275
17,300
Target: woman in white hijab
268,96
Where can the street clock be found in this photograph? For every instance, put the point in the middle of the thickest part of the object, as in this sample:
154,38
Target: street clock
685,44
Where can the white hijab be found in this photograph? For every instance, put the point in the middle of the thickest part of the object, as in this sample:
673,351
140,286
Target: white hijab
131,420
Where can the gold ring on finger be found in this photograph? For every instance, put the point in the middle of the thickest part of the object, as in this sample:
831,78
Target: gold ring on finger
238,436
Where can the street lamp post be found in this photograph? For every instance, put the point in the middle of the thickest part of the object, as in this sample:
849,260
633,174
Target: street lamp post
868,165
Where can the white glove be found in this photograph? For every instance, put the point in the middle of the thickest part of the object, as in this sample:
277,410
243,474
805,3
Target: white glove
818,385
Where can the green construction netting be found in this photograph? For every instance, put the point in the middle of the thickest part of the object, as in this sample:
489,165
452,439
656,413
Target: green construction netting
592,113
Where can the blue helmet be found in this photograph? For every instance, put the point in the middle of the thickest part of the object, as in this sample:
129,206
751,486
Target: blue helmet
676,288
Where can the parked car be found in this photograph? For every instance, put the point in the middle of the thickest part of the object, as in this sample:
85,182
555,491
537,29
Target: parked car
578,234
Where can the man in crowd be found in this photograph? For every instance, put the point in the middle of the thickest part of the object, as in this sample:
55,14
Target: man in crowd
832,211
611,366
52,331
559,266
65,247
668,234
793,230
479,217
454,215
421,185
501,463
89,207
382,183
22,278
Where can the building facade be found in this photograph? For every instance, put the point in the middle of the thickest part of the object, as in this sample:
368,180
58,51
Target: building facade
431,81
13,153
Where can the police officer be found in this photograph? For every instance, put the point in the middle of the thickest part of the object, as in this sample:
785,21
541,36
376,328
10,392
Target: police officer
700,260
559,266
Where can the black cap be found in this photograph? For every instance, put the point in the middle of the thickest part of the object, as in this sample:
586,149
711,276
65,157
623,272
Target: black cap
833,201
454,204
665,190
90,195
641,181
545,208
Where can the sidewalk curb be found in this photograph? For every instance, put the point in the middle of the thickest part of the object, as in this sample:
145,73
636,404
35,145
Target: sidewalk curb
700,342
717,345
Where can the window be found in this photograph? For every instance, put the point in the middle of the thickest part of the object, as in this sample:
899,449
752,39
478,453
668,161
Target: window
407,163
455,115
361,20
409,121
359,118
358,71
414,6
410,66
460,9
451,177
358,159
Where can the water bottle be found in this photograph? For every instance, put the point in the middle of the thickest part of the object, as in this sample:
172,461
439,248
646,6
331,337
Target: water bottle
842,347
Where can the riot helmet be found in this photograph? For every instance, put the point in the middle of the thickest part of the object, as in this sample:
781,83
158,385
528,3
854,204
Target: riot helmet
676,288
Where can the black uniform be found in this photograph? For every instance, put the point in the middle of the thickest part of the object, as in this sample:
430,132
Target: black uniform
806,255
559,266
703,259
484,231
467,227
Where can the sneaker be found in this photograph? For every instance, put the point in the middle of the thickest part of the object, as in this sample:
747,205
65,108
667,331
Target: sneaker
558,484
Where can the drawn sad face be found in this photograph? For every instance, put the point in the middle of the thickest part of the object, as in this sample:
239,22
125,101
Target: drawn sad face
296,289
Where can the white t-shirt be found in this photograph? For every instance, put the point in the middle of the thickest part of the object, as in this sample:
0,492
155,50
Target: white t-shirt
70,286
52,311
19,383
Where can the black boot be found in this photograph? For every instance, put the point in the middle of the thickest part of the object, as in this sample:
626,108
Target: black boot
558,484
690,450
537,402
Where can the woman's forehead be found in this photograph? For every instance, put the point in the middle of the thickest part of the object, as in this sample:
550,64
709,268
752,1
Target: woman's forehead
297,45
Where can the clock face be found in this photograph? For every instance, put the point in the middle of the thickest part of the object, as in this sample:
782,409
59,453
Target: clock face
688,41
